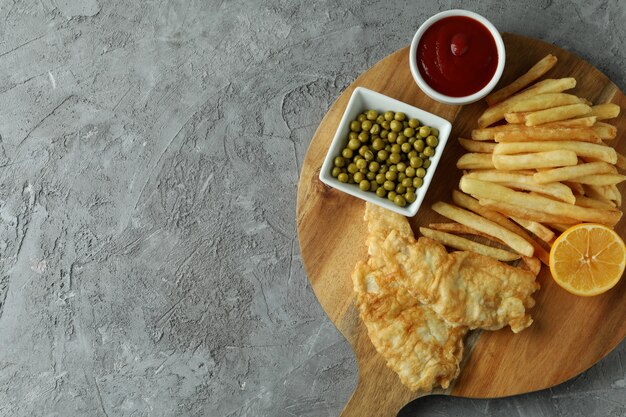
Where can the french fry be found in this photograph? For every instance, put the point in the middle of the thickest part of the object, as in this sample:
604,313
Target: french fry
488,133
576,188
475,161
548,134
585,201
586,121
605,131
536,228
526,183
559,227
600,179
533,264
544,101
572,172
557,113
514,241
458,228
621,161
604,111
516,118
513,210
461,243
497,112
617,195
477,146
545,159
536,71
470,203
598,192
582,149
488,190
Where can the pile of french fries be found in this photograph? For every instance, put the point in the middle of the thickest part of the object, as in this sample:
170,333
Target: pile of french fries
546,168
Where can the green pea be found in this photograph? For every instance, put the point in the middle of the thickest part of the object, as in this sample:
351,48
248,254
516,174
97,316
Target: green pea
375,130
395,148
399,201
416,162
383,168
361,163
378,144
393,168
391,195
358,177
428,151
382,155
370,176
352,168
380,179
340,162
389,185
391,175
419,145
354,144
410,172
412,140
401,166
408,132
373,185
347,153
364,137
363,149
426,163
406,147
414,123
368,155
336,171
401,139
388,147
417,182
432,141
381,192
400,116
386,125
394,158
407,182
395,125
343,177
412,154
380,119
371,114
361,117
434,131
389,116
410,197
355,126
401,176
366,125
384,133
392,136
424,131
364,185
420,172
400,189
374,166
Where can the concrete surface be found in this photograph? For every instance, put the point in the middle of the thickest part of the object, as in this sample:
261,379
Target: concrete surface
149,157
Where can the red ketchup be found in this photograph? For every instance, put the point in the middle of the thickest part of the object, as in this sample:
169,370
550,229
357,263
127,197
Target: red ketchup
457,56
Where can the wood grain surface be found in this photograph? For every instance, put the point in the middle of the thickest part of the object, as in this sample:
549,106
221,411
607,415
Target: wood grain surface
569,333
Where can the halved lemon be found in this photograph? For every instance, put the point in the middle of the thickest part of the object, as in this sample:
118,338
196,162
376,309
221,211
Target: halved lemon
588,259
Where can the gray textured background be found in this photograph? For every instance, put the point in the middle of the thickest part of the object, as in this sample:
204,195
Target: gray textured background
149,157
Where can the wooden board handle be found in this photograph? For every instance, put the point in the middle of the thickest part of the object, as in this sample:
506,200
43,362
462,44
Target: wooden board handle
374,399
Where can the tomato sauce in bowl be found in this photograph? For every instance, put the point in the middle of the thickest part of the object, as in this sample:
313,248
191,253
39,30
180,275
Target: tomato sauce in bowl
457,56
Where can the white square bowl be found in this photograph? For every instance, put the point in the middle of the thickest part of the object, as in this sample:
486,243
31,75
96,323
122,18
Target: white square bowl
362,100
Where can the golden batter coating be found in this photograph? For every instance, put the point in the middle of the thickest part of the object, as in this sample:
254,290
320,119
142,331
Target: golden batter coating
417,344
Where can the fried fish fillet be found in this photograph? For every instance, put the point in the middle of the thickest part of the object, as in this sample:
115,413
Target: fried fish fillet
417,344
464,288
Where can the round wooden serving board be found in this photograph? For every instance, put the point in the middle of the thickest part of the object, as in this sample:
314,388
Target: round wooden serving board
569,333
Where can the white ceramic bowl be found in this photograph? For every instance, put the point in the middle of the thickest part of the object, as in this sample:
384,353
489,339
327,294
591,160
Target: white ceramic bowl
362,100
442,98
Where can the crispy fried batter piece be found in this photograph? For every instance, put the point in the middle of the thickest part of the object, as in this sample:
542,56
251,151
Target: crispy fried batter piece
464,288
416,343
